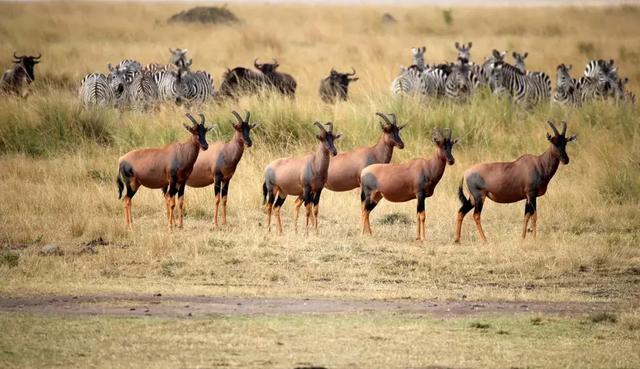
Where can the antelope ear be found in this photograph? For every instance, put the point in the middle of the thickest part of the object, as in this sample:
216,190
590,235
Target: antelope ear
572,138
549,137
513,54
255,125
190,129
525,54
470,44
455,141
457,45
335,137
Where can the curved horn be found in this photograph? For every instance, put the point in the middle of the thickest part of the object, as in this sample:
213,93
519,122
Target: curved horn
352,73
447,132
330,125
191,118
564,127
246,119
38,57
235,113
256,64
319,125
553,127
275,62
202,118
384,116
16,56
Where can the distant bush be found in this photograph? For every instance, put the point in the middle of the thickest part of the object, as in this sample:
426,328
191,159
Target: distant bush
9,258
447,15
208,14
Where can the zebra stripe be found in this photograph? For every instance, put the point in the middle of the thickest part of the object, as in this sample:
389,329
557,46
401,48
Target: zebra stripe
142,91
531,88
408,82
458,85
589,89
606,75
95,90
166,82
433,82
567,92
194,87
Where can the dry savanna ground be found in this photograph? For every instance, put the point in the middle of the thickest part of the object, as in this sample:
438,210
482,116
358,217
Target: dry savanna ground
58,163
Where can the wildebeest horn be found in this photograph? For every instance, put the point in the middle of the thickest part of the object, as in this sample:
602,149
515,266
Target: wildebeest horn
330,125
319,125
191,118
275,62
246,119
235,113
38,57
564,127
16,56
256,64
352,73
553,127
384,117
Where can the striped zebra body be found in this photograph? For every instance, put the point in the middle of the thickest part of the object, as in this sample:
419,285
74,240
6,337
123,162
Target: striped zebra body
605,74
408,82
458,85
157,67
483,71
530,89
433,82
95,90
194,87
567,92
589,89
166,82
142,91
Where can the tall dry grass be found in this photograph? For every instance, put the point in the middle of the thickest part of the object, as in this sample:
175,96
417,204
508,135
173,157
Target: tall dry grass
58,161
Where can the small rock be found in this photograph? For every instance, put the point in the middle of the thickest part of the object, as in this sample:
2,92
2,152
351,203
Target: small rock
51,249
157,295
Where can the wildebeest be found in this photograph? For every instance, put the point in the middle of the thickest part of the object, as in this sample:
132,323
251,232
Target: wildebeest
240,81
16,79
281,82
336,86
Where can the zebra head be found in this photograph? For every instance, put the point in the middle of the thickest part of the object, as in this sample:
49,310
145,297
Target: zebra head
27,62
178,57
464,52
519,61
418,56
563,77
607,78
118,80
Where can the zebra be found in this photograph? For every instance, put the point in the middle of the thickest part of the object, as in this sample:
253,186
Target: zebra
408,82
622,94
95,90
483,71
459,85
605,74
128,64
166,82
433,82
418,57
177,59
589,89
531,88
567,92
464,52
193,87
519,61
142,91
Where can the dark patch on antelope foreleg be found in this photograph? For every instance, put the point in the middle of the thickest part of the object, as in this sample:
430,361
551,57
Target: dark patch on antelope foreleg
223,194
217,182
181,188
316,205
276,210
420,216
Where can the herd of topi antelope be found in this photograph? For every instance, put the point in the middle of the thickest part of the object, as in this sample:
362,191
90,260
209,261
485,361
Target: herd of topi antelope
195,163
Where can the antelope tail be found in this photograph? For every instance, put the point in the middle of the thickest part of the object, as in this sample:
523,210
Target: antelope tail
465,201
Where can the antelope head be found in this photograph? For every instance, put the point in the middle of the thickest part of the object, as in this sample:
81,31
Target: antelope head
327,137
198,130
391,130
445,143
243,127
560,141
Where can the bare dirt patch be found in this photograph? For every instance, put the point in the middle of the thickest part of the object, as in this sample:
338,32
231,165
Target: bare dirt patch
190,306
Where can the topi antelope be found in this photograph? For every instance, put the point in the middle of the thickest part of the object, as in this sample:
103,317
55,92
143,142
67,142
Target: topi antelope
167,168
526,178
15,79
218,164
303,176
416,179
336,86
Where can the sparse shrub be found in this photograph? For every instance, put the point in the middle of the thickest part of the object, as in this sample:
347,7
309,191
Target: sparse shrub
586,48
217,243
9,258
395,218
480,325
447,15
208,14
603,317
536,320
168,268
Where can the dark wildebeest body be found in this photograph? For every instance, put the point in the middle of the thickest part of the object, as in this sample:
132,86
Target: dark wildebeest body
240,81
16,79
281,82
336,86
